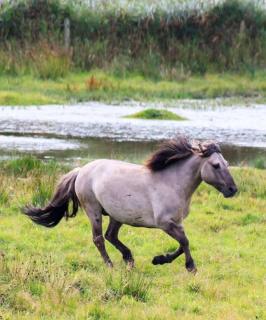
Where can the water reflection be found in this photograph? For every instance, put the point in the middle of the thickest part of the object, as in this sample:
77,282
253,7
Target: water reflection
85,149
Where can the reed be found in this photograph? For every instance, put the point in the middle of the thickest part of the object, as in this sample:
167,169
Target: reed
155,39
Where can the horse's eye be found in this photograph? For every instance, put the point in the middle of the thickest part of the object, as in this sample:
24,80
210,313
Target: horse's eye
216,165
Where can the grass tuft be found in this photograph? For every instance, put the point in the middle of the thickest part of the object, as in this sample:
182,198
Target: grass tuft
29,164
250,219
127,283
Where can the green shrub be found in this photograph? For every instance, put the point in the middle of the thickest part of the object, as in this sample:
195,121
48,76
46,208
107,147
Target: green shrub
260,163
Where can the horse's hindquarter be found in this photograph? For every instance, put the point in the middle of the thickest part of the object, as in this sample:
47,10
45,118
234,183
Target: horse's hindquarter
121,189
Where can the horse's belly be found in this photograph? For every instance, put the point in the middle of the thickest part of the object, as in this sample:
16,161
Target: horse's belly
129,211
122,191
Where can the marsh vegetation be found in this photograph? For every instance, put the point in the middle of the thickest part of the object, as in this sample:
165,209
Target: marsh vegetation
157,50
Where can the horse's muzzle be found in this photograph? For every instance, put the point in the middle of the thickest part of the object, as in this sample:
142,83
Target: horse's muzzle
230,192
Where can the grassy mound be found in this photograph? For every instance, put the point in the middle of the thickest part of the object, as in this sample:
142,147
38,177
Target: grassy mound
156,114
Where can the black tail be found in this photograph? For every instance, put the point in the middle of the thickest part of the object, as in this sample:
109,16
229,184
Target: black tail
58,207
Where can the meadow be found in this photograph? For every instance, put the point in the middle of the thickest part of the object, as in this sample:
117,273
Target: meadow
100,86
58,273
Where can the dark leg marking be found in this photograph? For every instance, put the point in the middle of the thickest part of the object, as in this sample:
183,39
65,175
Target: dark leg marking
112,236
177,232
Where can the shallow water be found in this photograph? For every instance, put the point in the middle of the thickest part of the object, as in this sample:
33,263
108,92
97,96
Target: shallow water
96,130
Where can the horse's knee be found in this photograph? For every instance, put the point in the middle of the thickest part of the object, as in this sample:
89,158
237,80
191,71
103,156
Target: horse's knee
184,242
176,231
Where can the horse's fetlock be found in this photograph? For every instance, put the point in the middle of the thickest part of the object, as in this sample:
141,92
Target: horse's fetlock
190,265
127,255
184,242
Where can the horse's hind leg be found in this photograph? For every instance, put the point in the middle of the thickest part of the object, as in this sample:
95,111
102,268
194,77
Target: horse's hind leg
112,236
95,215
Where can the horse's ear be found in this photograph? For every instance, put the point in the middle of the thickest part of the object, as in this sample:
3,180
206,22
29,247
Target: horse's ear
197,149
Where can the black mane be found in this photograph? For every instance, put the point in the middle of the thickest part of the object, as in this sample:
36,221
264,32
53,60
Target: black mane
180,148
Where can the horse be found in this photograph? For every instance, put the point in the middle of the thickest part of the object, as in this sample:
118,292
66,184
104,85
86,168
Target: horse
156,194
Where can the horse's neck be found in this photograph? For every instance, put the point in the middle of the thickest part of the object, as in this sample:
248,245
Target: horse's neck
187,175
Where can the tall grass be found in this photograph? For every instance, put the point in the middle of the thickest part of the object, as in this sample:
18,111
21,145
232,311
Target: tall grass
154,39
127,283
21,167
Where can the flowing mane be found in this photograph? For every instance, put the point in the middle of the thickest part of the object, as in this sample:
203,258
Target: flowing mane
179,148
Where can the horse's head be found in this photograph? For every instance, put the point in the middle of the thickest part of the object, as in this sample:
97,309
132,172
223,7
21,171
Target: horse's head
215,172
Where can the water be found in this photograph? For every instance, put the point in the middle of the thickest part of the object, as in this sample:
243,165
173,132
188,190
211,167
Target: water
95,130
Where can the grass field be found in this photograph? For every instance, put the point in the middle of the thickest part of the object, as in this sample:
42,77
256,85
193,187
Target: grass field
99,85
58,274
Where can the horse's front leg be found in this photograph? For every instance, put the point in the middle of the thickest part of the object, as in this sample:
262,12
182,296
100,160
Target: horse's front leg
168,258
176,231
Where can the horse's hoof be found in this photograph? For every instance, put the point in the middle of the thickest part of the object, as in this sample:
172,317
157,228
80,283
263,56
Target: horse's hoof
191,267
159,260
130,264
192,270
109,264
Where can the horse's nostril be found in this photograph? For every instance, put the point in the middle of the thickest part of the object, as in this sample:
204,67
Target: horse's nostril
233,189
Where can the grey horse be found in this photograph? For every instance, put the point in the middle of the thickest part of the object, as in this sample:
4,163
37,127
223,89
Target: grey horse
154,195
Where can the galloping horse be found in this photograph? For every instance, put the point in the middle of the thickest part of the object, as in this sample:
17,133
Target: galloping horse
154,195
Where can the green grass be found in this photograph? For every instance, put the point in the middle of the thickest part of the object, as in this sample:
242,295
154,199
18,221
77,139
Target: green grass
58,273
156,114
103,86
259,163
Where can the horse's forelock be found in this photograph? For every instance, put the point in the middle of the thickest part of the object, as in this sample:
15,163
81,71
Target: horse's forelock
206,148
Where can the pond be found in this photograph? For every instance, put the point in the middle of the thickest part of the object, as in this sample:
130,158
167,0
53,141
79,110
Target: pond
97,130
